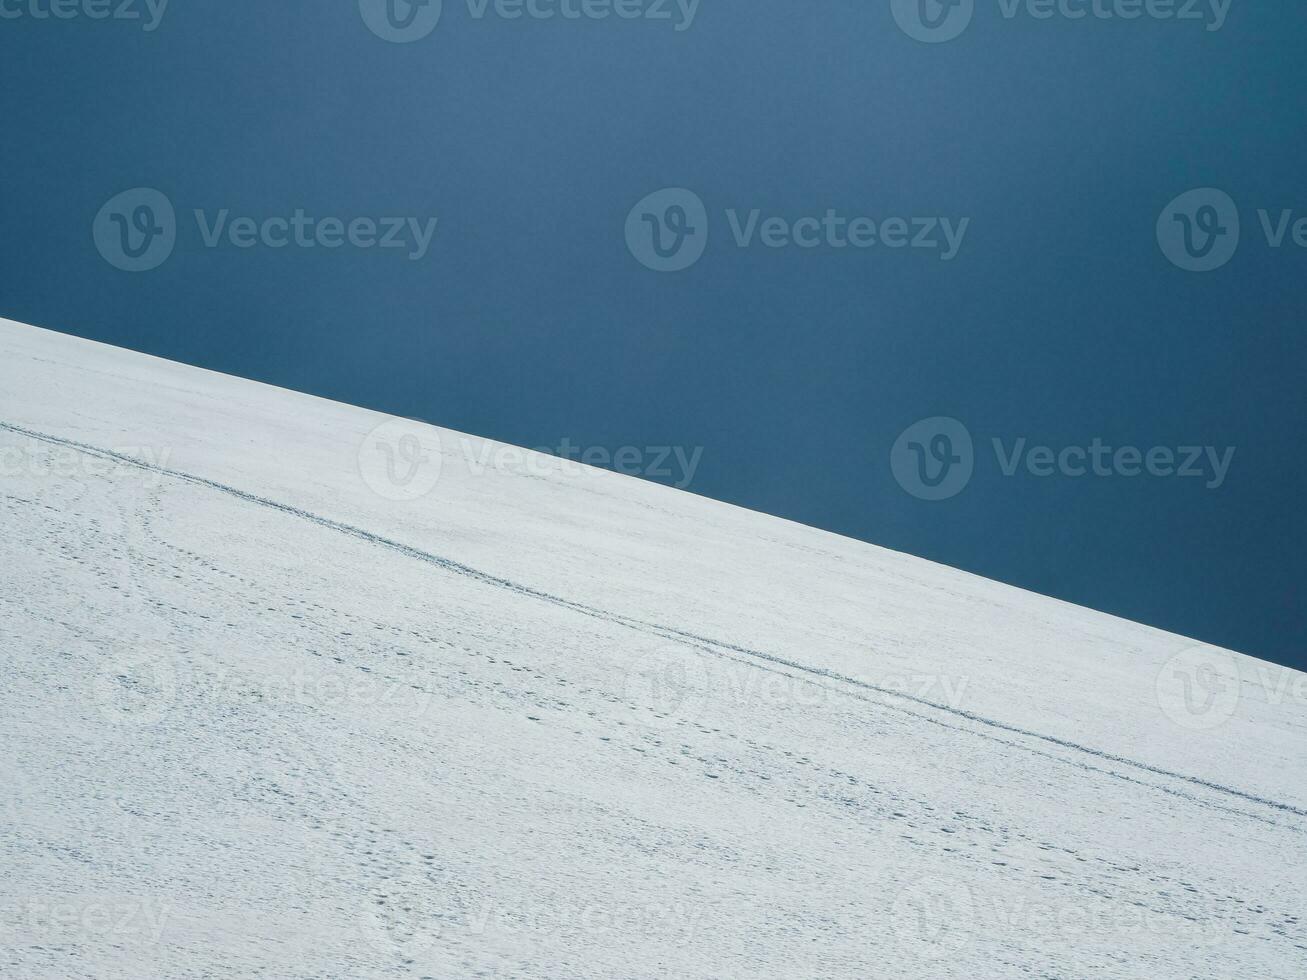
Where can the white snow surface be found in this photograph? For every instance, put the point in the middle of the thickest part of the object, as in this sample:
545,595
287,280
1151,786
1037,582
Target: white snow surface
259,719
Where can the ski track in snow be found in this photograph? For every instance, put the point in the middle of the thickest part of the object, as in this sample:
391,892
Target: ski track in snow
671,633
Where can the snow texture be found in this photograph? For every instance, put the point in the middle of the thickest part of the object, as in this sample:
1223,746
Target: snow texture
294,690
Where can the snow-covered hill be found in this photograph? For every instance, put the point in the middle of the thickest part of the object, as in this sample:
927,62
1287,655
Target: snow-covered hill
294,690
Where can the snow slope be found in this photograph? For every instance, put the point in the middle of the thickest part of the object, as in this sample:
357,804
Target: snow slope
270,709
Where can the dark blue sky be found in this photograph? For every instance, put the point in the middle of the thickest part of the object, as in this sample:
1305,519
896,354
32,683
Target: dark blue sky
1060,320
